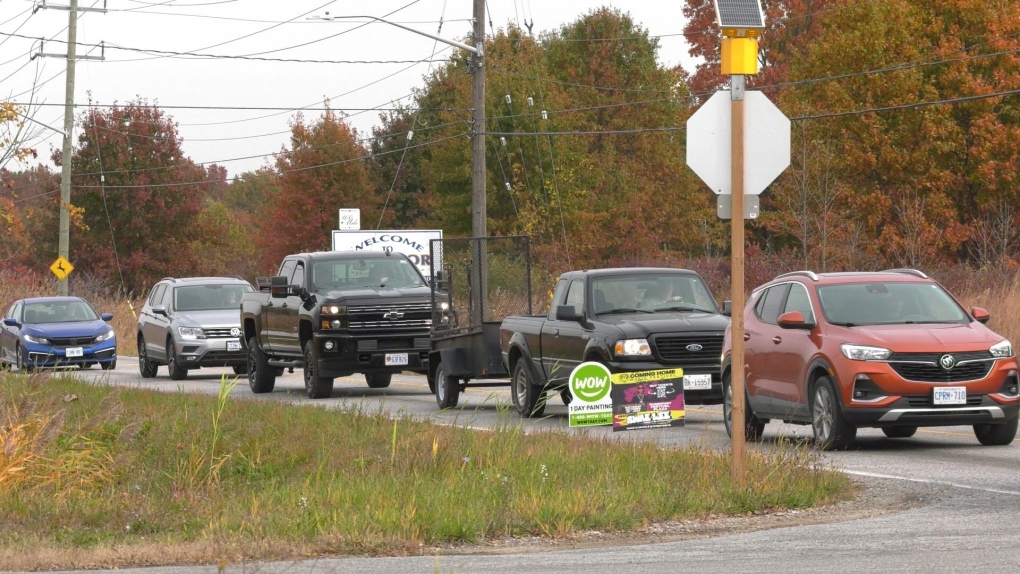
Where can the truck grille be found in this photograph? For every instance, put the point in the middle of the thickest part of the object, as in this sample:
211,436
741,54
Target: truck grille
395,317
690,349
924,367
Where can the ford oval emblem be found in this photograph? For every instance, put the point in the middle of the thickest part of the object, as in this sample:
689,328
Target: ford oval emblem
694,348
947,362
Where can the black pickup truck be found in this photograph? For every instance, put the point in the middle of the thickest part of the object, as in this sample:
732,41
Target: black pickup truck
336,313
630,319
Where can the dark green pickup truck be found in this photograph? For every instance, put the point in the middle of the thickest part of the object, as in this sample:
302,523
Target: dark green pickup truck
336,313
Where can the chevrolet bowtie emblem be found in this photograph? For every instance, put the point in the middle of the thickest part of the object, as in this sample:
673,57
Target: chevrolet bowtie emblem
392,315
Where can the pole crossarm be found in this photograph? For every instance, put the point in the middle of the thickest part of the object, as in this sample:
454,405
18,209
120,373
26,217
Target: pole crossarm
474,50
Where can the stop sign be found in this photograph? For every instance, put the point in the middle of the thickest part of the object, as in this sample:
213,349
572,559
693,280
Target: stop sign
766,142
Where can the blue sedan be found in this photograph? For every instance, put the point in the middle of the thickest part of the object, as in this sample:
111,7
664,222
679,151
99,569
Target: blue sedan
56,332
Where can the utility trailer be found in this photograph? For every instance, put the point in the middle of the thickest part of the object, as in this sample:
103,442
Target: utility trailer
476,282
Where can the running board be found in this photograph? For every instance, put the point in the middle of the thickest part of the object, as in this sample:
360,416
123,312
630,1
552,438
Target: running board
295,364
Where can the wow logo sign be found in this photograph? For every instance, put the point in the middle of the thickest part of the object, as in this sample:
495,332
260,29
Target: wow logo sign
592,403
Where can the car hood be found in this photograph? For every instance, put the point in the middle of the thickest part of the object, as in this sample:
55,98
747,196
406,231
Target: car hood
375,293
66,330
640,325
921,338
214,318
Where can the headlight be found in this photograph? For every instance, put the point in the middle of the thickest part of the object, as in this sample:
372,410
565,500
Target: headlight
864,353
444,306
37,340
333,309
105,336
632,348
1001,349
191,333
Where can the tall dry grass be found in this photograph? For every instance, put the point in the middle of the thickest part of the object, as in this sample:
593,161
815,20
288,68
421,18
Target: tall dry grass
106,298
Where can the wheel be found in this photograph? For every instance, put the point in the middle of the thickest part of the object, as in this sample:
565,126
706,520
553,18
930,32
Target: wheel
996,435
899,432
22,358
832,432
109,366
565,396
240,369
261,377
447,389
378,380
317,387
528,397
173,365
753,426
146,367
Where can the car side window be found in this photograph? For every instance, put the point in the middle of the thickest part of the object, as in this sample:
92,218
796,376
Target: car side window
287,269
558,294
15,311
157,294
167,298
575,295
799,300
771,303
299,275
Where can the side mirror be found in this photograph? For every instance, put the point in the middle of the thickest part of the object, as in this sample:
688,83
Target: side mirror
11,322
980,315
107,316
278,287
568,313
159,310
727,308
794,320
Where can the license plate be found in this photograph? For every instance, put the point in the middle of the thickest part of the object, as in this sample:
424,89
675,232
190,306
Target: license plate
396,359
950,396
697,382
233,345
74,352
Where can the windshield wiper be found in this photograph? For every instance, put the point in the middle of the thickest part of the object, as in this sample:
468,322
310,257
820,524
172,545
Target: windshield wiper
846,324
679,308
624,311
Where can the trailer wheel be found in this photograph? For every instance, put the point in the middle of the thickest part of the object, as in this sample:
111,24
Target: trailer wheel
447,389
528,397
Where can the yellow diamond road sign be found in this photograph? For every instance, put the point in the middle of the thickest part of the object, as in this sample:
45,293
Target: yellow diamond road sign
61,268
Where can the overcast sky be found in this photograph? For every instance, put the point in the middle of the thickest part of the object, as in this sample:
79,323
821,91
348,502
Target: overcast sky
198,92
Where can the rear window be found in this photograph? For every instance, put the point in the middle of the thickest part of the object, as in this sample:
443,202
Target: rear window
889,303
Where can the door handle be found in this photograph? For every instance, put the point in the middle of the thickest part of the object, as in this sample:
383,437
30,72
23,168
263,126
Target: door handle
270,304
777,339
556,332
284,305
747,336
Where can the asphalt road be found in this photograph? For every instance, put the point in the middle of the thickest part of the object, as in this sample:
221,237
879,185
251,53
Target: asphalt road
967,518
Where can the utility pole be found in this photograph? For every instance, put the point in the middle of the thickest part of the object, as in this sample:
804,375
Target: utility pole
479,223
64,241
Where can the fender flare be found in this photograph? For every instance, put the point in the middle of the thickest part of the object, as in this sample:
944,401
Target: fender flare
518,345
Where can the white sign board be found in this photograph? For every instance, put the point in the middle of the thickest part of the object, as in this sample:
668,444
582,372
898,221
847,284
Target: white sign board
411,242
350,219
766,142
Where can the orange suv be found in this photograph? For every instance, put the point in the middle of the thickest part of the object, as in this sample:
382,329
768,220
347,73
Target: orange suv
891,350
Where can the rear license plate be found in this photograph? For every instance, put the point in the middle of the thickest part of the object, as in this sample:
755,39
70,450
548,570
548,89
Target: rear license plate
697,382
396,359
74,352
950,396
233,345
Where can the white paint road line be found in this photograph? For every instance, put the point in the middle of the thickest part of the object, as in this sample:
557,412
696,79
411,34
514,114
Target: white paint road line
928,481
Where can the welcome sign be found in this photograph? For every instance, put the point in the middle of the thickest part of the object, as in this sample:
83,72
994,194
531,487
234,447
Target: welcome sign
411,242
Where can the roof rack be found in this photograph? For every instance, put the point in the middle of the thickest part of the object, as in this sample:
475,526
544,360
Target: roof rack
908,271
168,279
811,274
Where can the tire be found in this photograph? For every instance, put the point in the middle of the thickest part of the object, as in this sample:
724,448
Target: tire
173,365
261,377
996,435
566,397
317,387
528,397
146,368
447,389
754,427
240,369
831,430
431,376
85,366
108,366
378,380
899,432
22,360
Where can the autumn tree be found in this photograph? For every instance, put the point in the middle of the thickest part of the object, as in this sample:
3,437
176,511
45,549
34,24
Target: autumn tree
139,193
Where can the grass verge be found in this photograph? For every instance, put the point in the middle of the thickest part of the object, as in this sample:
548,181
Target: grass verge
96,476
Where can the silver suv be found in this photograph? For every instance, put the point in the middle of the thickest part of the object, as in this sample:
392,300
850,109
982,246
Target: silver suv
191,323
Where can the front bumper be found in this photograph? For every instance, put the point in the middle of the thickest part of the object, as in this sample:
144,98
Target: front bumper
213,352
369,354
42,356
713,396
902,413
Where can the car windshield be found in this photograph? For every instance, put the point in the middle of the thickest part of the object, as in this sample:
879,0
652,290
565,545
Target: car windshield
59,312
375,272
651,292
214,297
895,302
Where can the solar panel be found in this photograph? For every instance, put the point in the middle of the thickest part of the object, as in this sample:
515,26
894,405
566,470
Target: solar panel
739,13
